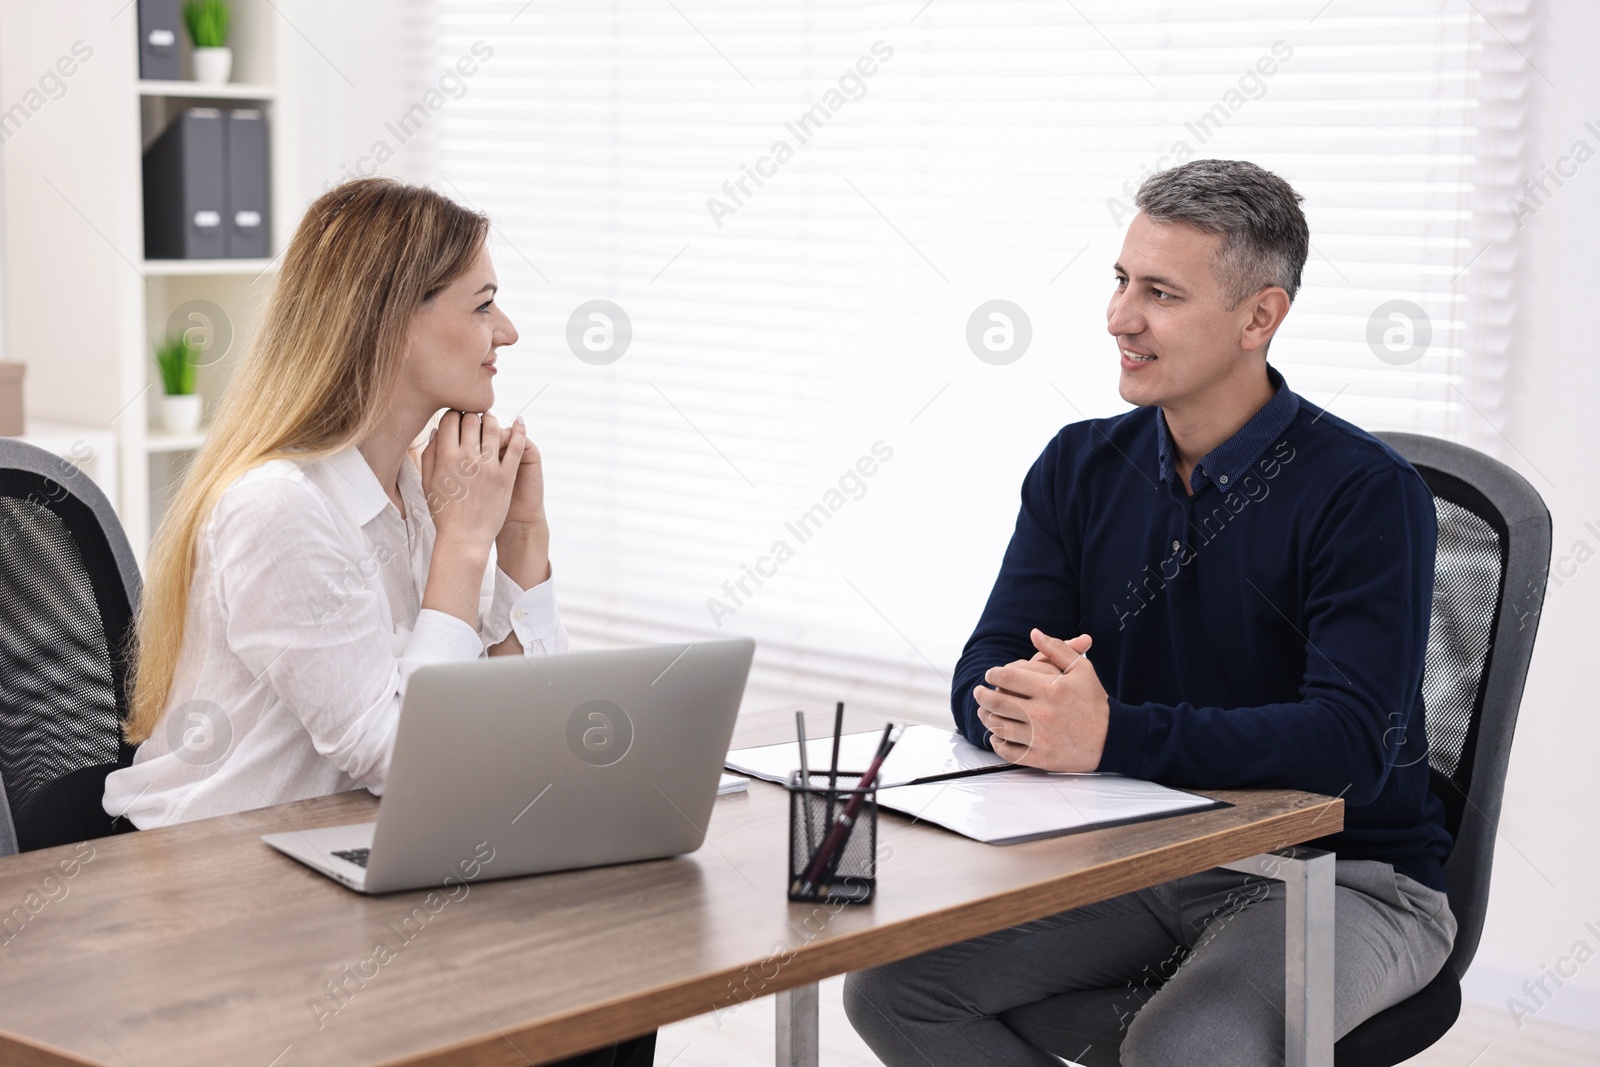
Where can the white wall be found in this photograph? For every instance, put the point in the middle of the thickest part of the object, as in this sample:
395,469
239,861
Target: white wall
60,210
1547,865
347,78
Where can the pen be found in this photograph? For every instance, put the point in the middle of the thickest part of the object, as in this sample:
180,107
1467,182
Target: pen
805,775
838,728
833,767
824,859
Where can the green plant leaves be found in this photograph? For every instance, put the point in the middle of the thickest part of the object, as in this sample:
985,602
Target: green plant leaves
207,22
176,358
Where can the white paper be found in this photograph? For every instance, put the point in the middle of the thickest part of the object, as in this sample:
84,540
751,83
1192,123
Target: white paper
1022,803
923,751
732,783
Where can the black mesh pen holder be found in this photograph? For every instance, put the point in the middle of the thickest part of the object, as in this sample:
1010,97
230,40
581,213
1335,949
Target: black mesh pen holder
849,877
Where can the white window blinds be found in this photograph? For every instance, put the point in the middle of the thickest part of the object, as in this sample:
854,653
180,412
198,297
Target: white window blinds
799,207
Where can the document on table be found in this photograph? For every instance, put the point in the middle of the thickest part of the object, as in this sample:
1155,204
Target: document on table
1024,804
923,753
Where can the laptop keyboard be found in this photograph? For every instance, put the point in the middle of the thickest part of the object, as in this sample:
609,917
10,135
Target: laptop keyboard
357,856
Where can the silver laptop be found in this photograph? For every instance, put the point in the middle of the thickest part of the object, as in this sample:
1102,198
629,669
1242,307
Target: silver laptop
519,765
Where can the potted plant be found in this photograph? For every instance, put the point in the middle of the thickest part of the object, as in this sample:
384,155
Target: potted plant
207,22
181,406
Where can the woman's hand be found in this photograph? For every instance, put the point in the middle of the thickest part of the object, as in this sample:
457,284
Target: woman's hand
523,544
527,495
468,476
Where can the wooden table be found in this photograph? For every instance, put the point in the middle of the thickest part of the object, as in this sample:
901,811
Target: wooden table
197,944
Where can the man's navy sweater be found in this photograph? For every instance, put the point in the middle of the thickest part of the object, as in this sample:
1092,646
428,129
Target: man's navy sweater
1270,630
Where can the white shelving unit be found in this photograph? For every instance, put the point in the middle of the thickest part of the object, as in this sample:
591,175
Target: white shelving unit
85,309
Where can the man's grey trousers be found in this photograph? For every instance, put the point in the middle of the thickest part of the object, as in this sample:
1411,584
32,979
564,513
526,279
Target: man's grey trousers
1184,974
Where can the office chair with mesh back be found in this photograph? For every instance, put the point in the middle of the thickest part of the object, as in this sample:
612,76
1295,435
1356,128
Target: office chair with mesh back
68,590
1488,589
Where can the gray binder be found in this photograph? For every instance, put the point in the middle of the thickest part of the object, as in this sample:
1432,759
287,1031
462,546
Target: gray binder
158,40
249,186
184,188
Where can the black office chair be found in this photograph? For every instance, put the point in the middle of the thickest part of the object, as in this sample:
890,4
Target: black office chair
68,590
1488,590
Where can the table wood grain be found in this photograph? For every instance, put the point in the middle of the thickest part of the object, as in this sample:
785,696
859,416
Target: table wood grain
199,945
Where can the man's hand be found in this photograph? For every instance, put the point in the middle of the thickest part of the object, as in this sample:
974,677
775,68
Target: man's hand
1050,712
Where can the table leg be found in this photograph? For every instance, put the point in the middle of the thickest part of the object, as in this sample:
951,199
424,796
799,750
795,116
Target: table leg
797,1026
1307,874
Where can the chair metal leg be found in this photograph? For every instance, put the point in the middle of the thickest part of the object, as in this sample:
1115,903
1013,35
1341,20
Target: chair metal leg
1307,875
797,1026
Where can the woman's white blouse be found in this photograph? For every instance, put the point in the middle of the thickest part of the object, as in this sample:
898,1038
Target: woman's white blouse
304,623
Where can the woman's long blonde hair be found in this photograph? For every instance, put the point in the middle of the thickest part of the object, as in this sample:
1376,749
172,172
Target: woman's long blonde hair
317,378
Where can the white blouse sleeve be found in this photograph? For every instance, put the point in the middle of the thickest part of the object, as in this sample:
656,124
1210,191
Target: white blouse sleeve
299,617
506,607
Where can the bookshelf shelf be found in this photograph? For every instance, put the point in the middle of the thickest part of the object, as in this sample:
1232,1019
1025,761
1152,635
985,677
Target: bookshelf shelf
201,91
191,268
159,440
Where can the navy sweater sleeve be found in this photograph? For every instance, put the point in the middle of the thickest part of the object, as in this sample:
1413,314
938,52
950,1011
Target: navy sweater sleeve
1037,586
1365,623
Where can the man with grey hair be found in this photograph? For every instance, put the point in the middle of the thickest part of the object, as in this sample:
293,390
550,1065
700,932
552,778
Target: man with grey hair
1255,576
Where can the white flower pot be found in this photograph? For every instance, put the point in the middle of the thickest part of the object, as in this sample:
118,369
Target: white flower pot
181,414
212,66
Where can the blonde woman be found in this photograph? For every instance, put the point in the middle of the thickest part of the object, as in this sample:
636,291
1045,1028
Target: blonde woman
311,561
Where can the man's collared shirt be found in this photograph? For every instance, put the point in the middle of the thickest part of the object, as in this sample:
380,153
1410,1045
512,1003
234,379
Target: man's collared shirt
1228,462
1268,630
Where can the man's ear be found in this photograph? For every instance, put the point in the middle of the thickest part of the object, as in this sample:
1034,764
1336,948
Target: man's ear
1267,310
